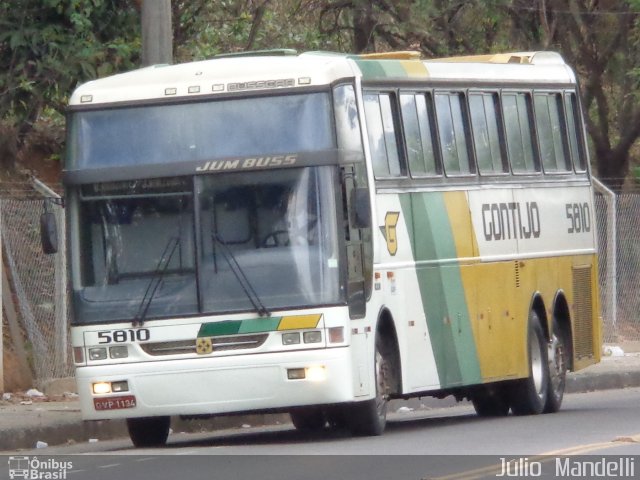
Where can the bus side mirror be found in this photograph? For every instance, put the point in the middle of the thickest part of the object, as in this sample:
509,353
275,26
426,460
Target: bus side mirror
48,232
361,207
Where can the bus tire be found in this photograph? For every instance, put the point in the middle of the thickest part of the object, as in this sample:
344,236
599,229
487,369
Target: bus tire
309,419
369,418
491,401
529,395
149,431
557,354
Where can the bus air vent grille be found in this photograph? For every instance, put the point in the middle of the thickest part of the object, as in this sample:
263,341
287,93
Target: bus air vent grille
583,311
517,273
220,344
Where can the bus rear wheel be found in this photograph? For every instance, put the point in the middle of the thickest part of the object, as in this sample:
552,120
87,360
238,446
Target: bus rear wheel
491,401
557,354
529,395
149,431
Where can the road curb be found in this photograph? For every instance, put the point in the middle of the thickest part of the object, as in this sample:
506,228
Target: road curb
602,381
101,430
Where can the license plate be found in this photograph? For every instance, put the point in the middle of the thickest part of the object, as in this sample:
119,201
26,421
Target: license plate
114,403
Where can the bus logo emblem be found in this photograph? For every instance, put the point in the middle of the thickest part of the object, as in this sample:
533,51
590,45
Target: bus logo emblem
204,345
389,231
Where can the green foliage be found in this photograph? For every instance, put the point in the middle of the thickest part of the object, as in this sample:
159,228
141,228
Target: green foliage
203,29
47,47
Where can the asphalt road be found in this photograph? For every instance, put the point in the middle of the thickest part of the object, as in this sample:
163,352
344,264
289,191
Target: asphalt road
420,444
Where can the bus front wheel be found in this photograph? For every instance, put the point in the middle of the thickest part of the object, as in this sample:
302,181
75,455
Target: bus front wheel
309,419
369,418
529,395
149,431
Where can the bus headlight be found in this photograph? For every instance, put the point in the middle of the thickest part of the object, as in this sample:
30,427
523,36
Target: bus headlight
316,374
99,353
314,336
291,338
122,386
100,388
121,351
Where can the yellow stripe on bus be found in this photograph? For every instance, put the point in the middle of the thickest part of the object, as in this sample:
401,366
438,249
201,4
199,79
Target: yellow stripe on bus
295,322
414,68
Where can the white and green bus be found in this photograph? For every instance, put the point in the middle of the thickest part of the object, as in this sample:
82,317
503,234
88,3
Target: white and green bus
320,233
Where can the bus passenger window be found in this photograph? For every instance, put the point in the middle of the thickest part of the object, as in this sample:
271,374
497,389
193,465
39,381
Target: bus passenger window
451,127
486,134
550,132
418,135
575,143
382,135
516,108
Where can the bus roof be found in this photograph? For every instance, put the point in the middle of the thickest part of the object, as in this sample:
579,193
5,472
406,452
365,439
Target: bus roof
285,69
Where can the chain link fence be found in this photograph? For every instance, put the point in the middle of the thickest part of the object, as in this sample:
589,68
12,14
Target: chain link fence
618,223
37,283
627,320
38,280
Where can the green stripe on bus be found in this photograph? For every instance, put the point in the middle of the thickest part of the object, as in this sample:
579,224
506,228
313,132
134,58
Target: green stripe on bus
381,69
371,69
441,289
229,327
256,325
235,327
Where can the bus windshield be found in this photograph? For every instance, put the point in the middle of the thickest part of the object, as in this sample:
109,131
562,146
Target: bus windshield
198,132
278,228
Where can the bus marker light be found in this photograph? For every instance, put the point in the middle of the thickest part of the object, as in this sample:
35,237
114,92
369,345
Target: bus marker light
291,338
336,334
101,388
296,373
304,81
316,374
170,91
314,336
194,89
78,354
86,99
98,353
218,87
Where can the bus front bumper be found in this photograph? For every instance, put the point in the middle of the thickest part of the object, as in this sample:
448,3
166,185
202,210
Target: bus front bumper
217,385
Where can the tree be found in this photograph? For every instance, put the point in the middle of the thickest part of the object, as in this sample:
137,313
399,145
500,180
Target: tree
49,46
600,39
435,27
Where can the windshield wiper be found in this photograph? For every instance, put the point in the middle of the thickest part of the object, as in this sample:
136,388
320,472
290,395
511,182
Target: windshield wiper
242,278
156,280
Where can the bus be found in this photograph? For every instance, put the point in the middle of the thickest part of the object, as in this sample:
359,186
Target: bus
319,233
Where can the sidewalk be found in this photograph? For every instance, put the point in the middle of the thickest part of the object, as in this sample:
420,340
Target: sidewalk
56,420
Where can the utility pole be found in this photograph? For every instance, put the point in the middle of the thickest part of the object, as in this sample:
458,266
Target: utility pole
157,34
